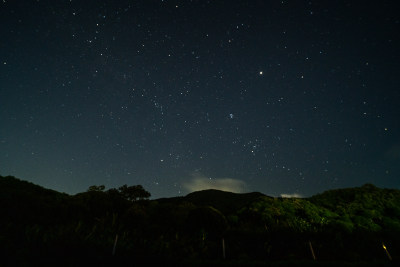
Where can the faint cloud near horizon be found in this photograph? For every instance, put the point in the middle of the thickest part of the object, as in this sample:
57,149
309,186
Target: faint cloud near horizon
294,195
200,182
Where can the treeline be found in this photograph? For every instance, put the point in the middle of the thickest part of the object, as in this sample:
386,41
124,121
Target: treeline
122,226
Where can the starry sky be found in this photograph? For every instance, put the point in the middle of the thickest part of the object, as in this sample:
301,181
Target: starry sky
281,97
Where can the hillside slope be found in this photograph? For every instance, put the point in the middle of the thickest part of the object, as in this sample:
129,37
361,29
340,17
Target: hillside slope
342,224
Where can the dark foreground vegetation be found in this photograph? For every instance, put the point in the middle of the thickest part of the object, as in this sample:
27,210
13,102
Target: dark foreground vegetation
121,227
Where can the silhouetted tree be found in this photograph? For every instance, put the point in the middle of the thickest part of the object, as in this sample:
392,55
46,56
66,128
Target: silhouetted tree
96,188
134,192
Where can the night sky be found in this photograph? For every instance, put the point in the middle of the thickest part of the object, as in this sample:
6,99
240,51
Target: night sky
281,97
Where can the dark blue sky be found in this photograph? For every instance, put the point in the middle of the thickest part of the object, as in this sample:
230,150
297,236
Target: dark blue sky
281,97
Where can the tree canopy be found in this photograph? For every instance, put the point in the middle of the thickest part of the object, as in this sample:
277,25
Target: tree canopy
134,192
343,224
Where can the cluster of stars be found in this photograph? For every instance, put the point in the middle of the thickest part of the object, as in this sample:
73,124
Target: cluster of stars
145,94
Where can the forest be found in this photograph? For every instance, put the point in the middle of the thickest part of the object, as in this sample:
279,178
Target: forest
123,227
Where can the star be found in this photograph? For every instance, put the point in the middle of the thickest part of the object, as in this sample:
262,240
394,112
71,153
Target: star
123,93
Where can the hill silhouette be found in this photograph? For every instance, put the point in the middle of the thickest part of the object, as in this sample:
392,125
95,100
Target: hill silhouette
226,202
42,226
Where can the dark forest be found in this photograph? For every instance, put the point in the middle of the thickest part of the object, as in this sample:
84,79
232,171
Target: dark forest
122,226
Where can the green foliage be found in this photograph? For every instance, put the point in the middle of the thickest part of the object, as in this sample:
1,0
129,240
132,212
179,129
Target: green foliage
292,213
226,202
38,223
366,208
